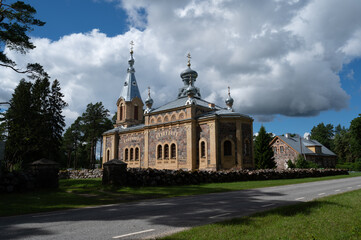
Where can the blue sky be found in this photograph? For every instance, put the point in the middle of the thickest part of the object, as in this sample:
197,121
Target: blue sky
286,66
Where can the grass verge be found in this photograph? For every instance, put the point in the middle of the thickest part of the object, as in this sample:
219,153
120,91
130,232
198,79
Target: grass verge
73,193
334,217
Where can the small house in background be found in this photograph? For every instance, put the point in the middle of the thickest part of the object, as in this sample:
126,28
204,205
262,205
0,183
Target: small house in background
288,148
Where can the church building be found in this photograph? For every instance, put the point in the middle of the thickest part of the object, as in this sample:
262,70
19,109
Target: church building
187,133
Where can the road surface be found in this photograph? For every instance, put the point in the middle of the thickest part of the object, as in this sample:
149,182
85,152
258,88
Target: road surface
148,219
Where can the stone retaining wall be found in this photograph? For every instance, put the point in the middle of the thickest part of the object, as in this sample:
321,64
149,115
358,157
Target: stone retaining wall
80,174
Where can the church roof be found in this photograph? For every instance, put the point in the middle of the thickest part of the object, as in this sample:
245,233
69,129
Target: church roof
224,113
130,87
122,129
180,102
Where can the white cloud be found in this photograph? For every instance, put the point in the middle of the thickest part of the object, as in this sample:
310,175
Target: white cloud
279,57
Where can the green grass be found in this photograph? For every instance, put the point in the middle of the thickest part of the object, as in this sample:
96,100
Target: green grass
334,217
74,193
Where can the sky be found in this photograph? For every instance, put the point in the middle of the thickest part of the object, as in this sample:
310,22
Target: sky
290,64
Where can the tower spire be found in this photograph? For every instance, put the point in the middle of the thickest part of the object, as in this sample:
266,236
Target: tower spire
130,88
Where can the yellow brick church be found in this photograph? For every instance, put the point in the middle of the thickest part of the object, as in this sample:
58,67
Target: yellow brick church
187,133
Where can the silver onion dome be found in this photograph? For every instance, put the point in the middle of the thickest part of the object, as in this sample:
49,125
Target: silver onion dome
229,100
148,102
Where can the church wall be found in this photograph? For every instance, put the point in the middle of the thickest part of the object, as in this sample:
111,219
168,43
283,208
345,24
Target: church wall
131,140
227,131
247,143
204,135
167,135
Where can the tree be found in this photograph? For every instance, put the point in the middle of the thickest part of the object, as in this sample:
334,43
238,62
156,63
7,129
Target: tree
55,117
263,153
323,134
72,138
342,144
35,122
355,133
20,143
16,21
94,123
301,162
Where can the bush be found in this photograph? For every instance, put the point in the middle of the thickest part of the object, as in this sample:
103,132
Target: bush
290,164
357,165
302,163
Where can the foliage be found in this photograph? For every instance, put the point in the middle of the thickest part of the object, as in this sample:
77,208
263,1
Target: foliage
80,139
342,146
324,134
301,162
35,122
16,21
355,132
263,153
290,164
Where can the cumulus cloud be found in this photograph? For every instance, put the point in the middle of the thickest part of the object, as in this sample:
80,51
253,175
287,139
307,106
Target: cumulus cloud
278,57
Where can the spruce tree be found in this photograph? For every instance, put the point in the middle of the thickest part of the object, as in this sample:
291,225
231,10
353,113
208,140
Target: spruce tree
55,118
21,143
263,152
35,122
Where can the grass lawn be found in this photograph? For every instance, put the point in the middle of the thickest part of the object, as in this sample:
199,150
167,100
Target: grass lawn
334,217
74,193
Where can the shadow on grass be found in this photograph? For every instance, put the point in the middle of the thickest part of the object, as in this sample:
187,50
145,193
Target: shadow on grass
304,209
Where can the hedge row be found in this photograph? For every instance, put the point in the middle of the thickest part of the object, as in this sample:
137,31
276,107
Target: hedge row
153,177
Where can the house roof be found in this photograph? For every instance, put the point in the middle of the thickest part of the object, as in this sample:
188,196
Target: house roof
300,145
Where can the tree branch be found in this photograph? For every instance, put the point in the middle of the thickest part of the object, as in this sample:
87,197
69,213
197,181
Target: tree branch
15,69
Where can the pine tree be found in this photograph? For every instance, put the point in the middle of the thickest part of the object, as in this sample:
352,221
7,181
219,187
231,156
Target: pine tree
93,121
16,20
263,152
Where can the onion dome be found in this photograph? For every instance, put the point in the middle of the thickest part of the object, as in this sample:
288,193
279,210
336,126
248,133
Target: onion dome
229,100
188,73
148,102
191,91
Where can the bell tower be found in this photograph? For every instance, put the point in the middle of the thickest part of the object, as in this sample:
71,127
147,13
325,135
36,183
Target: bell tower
130,104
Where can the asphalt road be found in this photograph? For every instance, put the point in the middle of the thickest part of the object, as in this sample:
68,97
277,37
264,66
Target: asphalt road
148,219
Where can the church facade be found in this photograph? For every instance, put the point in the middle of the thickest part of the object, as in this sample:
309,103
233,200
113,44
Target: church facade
187,133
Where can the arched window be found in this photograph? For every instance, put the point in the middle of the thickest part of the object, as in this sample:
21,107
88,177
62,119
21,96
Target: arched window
159,150
121,112
136,154
136,112
227,146
172,151
203,149
131,154
281,149
166,151
274,150
126,155
246,149
108,154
